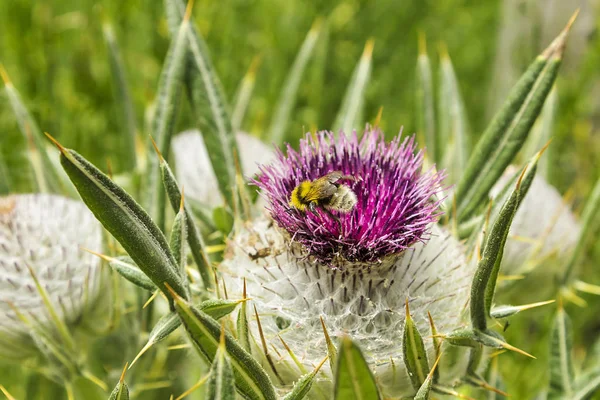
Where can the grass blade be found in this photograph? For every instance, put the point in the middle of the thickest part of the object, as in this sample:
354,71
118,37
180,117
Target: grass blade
508,130
244,93
47,176
123,97
352,105
287,98
353,378
562,372
251,380
125,220
425,111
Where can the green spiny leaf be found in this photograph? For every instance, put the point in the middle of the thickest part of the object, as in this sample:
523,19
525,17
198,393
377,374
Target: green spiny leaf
348,116
215,308
588,221
331,350
127,268
123,97
178,239
194,238
425,110
243,329
486,275
453,124
425,389
164,117
562,372
304,384
208,102
125,220
413,351
287,98
251,380
542,132
221,384
121,391
586,385
353,378
508,130
508,311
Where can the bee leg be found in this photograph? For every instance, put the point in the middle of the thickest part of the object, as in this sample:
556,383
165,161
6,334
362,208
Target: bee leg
335,218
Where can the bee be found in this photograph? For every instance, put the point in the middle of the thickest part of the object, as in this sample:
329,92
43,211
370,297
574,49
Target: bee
325,192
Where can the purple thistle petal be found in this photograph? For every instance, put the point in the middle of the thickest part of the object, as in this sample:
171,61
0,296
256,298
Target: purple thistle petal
396,200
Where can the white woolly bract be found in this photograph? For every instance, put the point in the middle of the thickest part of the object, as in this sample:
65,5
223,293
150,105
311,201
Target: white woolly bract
45,233
194,170
544,227
365,301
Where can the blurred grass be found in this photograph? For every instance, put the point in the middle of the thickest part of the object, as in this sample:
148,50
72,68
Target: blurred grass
56,56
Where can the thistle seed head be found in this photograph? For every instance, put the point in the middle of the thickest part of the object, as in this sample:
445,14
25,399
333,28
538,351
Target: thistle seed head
44,233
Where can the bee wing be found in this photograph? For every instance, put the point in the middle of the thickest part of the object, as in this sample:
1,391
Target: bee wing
320,189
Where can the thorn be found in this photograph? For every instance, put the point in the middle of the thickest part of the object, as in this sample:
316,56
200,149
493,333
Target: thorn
254,65
181,203
144,349
497,353
5,77
194,387
222,338
378,118
517,350
2,388
407,309
151,298
188,11
325,333
160,156
244,293
58,145
368,51
173,293
533,305
422,43
102,256
318,367
123,374
518,187
264,345
543,149
316,26
443,50
435,364
557,46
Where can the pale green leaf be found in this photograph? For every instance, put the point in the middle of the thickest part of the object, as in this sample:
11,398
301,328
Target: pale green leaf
353,377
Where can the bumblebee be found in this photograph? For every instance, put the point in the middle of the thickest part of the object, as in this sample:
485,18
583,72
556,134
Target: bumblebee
325,192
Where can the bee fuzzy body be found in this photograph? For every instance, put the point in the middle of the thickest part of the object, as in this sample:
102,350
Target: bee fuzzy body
325,192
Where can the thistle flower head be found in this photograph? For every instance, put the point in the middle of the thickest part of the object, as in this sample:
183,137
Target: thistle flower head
40,236
395,199
354,270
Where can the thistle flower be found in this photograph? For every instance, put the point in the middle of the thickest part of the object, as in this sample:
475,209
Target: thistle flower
40,236
356,270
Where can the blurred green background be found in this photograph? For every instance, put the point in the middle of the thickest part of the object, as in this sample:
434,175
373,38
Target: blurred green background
56,56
